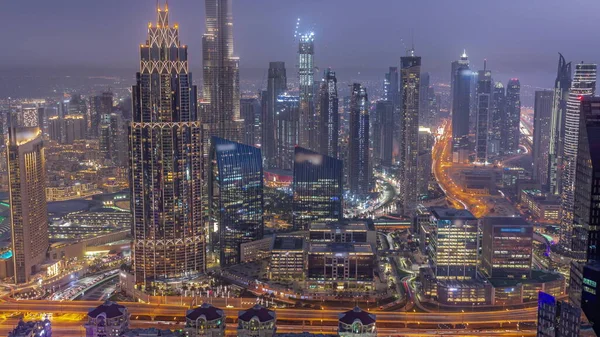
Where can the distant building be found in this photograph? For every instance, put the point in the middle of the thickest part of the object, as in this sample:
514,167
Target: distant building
557,318
308,138
542,125
507,247
460,95
359,169
329,124
257,321
287,130
497,119
107,320
454,244
317,187
382,130
205,321
32,329
391,93
74,128
276,86
512,129
251,113
27,190
357,323
288,257
100,105
484,104
426,140
236,192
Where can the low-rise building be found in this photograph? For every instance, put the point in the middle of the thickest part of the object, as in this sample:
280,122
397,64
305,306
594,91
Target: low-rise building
107,320
256,250
543,208
357,323
205,321
257,321
343,231
288,257
32,329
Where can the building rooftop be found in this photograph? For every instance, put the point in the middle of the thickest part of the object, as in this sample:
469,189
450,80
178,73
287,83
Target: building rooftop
537,276
258,311
345,225
209,312
355,314
444,213
341,248
109,309
288,243
508,221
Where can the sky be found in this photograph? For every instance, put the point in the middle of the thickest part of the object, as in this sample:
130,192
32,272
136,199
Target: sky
518,37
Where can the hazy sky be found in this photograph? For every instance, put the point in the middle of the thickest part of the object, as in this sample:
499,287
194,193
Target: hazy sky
516,36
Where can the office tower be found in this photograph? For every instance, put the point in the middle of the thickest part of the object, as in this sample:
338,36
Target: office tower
382,131
454,245
27,189
424,100
461,96
288,257
584,84
251,112
74,128
306,73
236,193
557,318
287,130
357,323
359,171
425,162
276,86
410,73
317,187
507,246
165,149
205,321
484,98
585,230
107,320
100,105
329,128
542,122
78,106
221,83
497,118
118,140
55,132
590,297
433,105
562,86
104,138
391,92
512,130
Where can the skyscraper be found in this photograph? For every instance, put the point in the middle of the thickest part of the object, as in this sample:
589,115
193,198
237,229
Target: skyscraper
251,112
28,211
512,130
425,162
306,73
584,84
557,318
221,89
497,120
424,100
359,171
461,96
318,187
484,103
166,158
276,85
329,127
236,194
391,91
382,130
562,86
410,75
542,122
585,232
100,105
287,130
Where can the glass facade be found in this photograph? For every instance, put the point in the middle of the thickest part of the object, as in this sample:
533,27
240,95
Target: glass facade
461,96
286,131
236,194
329,111
359,170
484,98
306,72
317,187
165,147
507,247
512,131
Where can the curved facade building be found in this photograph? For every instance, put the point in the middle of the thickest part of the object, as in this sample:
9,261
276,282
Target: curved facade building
165,161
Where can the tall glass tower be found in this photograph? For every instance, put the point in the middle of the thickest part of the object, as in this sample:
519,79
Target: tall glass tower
562,86
276,85
359,171
410,79
484,100
330,118
583,85
461,96
221,89
236,194
306,73
512,131
165,161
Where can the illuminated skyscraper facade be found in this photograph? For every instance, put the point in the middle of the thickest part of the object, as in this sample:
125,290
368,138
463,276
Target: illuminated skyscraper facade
562,86
276,85
410,79
391,92
318,187
542,122
251,112
236,194
306,73
359,171
221,87
100,105
165,147
484,104
583,85
329,127
461,95
382,131
287,129
497,118
28,211
512,129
